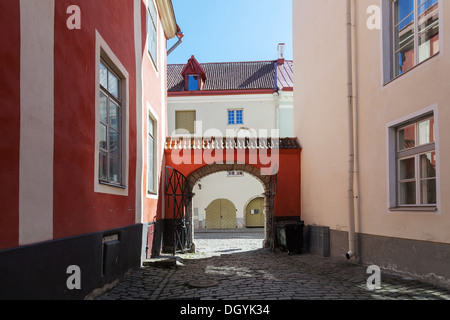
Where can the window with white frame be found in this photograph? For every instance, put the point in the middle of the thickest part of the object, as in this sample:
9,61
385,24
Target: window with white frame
110,142
151,152
414,33
235,116
152,31
416,163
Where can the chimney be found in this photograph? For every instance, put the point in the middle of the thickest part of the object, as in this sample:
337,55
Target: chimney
281,47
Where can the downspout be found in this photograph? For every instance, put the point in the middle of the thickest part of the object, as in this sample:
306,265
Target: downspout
180,36
276,96
351,134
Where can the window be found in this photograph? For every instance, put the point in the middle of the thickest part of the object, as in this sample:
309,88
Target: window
235,173
193,82
185,122
110,143
151,185
152,33
416,163
235,116
112,122
414,33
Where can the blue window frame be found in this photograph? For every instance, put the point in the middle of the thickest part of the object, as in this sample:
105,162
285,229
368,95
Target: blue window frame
239,117
236,116
231,117
193,82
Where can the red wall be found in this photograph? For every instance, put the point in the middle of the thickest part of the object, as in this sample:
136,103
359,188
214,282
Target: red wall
287,199
77,208
9,122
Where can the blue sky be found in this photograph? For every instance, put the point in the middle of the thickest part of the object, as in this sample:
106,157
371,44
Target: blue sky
232,30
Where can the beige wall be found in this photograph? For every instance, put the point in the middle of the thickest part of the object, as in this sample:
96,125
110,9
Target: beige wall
320,117
320,110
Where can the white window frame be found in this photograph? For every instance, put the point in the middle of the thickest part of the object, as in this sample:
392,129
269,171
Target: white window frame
104,52
153,58
115,100
151,115
395,156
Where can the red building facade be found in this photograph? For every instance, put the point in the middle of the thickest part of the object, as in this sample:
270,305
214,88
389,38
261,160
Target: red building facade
82,79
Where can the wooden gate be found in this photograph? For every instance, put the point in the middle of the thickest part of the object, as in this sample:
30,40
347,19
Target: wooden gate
221,214
254,213
179,197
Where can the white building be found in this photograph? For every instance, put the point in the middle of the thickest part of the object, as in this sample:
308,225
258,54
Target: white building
230,99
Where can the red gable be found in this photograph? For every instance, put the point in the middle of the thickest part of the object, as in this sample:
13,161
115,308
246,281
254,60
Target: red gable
193,69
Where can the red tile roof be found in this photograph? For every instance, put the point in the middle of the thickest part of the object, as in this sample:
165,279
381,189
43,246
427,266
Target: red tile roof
235,76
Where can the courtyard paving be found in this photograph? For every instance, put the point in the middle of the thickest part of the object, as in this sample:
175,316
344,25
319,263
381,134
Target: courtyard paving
233,266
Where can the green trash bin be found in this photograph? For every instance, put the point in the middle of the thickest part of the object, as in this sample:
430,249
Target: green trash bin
290,236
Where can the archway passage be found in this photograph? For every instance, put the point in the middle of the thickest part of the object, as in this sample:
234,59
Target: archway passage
275,165
254,213
221,214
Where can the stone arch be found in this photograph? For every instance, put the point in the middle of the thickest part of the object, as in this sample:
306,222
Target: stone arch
247,168
214,168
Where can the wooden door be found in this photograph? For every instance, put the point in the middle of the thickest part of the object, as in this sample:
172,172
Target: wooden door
221,214
254,217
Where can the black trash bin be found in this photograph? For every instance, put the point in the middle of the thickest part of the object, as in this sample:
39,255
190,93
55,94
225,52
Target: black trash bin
290,236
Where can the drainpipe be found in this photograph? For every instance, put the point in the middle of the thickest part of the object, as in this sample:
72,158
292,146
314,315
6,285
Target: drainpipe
180,36
351,164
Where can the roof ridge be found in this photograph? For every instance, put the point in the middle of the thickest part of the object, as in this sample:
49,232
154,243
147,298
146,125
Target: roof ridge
224,62
248,61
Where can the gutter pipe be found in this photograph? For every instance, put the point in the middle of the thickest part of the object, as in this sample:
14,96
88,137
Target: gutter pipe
180,36
351,134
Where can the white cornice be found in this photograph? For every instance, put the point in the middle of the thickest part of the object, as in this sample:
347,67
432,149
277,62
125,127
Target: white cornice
222,98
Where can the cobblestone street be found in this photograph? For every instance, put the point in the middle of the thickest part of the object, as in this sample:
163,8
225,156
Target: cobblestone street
232,266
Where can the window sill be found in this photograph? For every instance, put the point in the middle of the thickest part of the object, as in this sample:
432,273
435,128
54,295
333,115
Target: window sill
106,183
152,193
415,209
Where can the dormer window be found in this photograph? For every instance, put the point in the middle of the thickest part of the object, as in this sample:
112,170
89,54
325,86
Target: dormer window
193,82
194,75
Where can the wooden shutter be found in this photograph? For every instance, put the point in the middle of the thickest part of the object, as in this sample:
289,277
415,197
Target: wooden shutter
185,120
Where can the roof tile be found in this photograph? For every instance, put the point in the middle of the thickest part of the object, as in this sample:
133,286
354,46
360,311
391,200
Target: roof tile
234,76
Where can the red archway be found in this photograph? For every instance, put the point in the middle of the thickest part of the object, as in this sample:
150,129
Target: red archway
275,163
